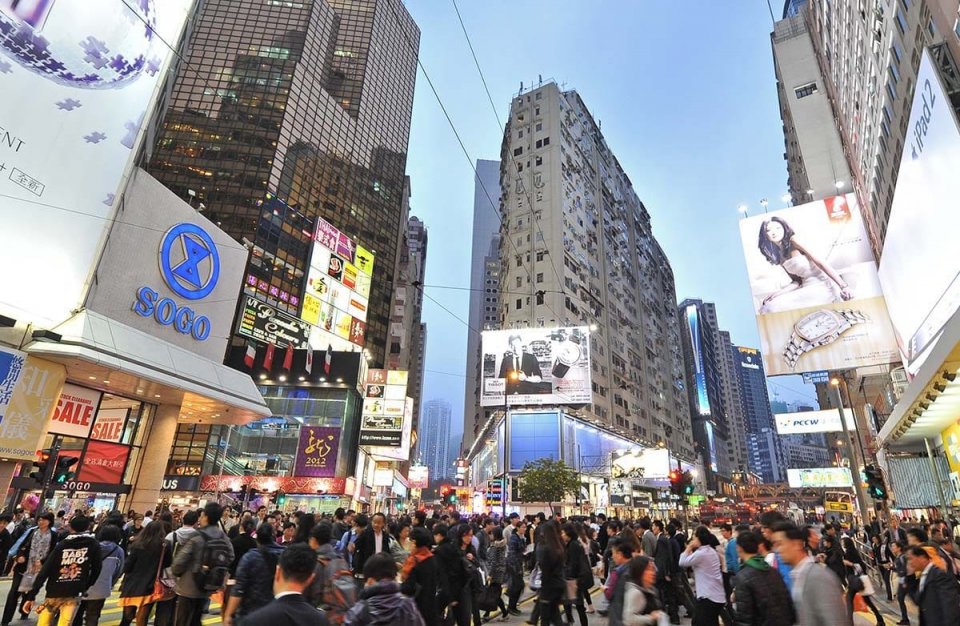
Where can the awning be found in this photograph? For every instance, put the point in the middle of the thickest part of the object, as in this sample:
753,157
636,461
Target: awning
931,402
102,353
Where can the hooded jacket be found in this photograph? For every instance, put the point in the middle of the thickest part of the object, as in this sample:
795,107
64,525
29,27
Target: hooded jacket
187,556
254,582
110,570
382,603
72,567
761,596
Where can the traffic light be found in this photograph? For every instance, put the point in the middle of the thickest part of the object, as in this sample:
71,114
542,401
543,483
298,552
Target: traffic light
281,497
875,483
676,482
687,482
41,465
63,473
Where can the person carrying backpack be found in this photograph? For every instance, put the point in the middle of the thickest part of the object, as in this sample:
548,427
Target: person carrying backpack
70,569
254,583
111,568
201,566
333,587
381,602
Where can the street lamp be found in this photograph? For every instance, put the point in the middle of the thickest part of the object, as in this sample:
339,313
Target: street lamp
855,470
512,375
743,210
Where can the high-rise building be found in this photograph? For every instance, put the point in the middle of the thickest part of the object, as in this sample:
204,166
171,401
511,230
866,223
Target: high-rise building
407,335
434,443
868,56
484,288
730,388
706,363
764,449
577,248
310,101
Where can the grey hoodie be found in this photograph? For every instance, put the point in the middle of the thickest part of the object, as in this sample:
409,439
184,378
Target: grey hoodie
110,572
187,556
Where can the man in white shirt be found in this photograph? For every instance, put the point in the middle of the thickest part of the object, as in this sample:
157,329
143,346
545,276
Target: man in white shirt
703,558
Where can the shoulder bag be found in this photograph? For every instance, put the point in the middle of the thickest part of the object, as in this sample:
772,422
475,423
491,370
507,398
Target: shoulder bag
162,590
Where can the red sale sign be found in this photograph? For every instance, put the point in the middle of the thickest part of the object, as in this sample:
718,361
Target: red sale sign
75,411
109,424
103,462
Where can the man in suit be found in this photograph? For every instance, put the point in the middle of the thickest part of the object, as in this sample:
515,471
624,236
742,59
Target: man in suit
289,607
937,594
521,369
816,590
894,533
665,558
373,540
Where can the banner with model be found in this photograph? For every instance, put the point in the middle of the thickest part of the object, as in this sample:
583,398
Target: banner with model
919,273
536,366
815,288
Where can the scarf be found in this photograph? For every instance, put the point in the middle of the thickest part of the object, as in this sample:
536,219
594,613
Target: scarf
418,555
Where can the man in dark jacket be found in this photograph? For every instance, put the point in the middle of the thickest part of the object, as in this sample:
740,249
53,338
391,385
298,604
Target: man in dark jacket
243,541
667,568
937,594
254,580
373,540
72,567
187,563
760,595
289,606
381,601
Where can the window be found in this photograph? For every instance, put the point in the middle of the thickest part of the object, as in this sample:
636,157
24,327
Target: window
539,126
519,303
805,90
539,93
539,160
518,151
519,281
891,90
887,114
546,141
520,134
540,301
539,144
539,277
519,260
931,29
540,254
894,73
537,111
901,21
896,50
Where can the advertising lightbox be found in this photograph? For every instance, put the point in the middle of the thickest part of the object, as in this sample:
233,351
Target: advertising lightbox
819,477
919,266
381,424
815,288
641,463
337,293
536,366
78,79
418,477
806,422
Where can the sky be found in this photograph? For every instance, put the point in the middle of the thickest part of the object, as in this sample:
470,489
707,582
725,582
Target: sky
686,94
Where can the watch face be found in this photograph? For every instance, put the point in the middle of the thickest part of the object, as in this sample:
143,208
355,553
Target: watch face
817,325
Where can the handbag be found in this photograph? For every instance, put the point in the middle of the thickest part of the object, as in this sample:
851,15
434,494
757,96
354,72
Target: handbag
161,590
536,578
491,597
867,583
26,582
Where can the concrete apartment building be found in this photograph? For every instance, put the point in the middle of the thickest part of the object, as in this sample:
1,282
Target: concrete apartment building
484,288
577,248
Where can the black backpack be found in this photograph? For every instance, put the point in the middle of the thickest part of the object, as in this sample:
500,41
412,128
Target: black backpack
215,562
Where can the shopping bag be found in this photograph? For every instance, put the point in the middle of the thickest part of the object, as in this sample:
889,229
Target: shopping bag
26,582
860,605
535,579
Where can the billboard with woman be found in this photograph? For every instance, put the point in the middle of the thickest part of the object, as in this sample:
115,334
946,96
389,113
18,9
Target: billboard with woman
815,288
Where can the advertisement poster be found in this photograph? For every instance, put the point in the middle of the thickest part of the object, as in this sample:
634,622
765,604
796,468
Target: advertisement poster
536,366
805,422
951,445
265,323
819,477
380,427
815,288
12,363
337,296
418,477
108,425
922,282
317,452
103,463
29,408
78,78
75,411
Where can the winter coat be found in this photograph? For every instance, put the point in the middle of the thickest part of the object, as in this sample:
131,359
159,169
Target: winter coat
254,582
576,566
140,570
454,578
761,596
72,566
366,546
638,604
497,562
421,585
551,570
110,570
187,560
382,603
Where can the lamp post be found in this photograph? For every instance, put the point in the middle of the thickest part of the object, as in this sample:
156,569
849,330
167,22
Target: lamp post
512,375
855,470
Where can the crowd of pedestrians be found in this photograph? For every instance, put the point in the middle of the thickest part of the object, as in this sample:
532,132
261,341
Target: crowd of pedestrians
279,569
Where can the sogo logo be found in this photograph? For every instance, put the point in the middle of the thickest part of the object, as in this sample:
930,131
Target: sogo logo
190,266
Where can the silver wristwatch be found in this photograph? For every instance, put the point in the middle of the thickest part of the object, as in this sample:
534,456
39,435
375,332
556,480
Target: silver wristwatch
817,329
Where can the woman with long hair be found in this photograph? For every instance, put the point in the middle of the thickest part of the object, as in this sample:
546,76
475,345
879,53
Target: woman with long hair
497,568
592,549
576,571
551,554
641,604
855,568
147,556
780,246
304,526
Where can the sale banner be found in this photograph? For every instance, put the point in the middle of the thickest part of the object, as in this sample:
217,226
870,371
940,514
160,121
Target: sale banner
109,425
103,462
317,452
75,411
